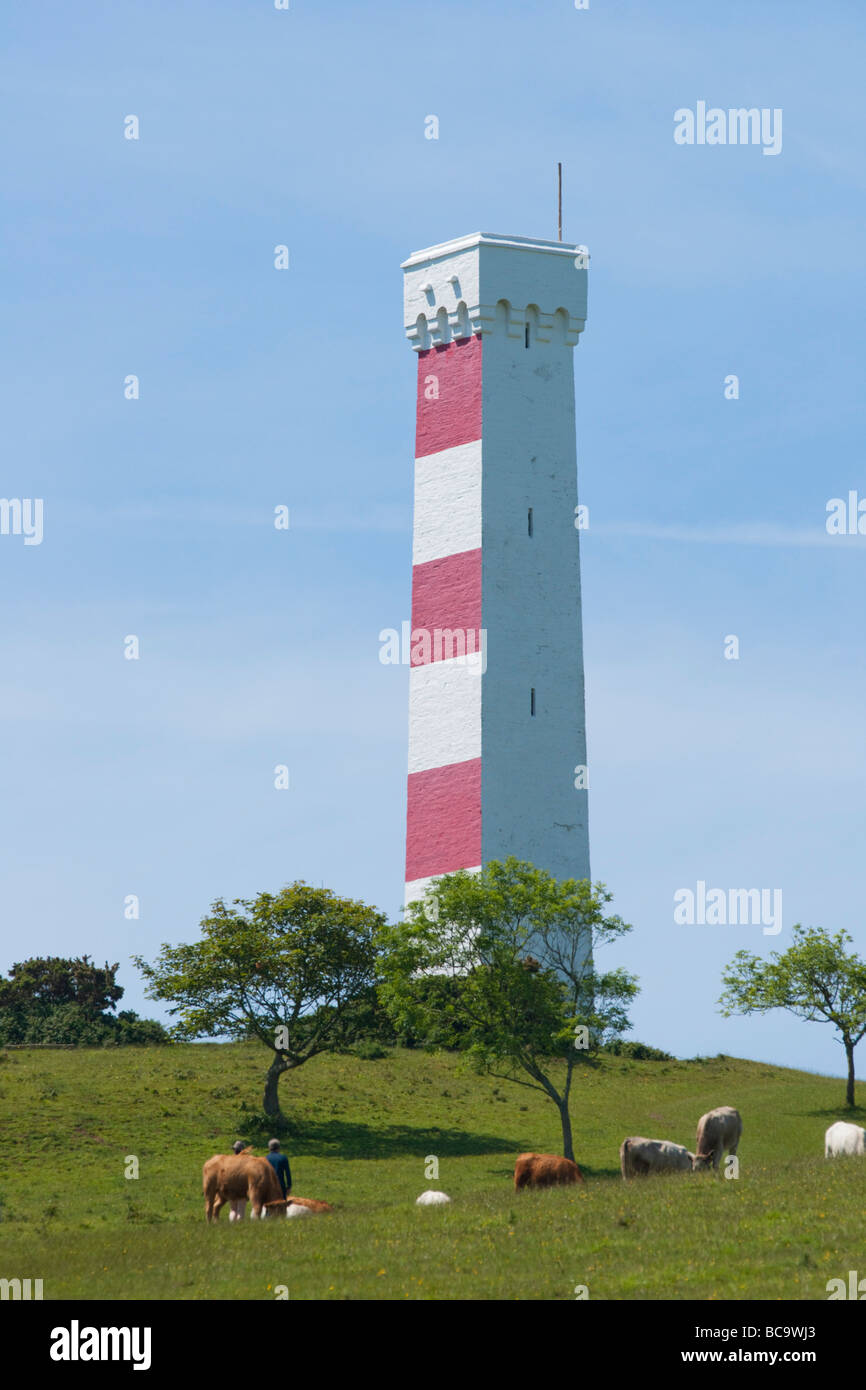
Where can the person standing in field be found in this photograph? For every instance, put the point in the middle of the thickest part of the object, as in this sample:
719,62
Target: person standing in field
280,1165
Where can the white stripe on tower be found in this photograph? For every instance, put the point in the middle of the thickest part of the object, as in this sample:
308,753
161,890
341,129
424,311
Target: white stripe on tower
447,503
444,714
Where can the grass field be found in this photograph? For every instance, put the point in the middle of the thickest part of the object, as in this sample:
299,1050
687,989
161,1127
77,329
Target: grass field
362,1131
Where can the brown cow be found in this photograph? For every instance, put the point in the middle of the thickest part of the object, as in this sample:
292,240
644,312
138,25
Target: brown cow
544,1170
308,1203
238,1178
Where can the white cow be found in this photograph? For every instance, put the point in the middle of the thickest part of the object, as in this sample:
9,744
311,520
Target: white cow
718,1130
432,1198
843,1138
638,1157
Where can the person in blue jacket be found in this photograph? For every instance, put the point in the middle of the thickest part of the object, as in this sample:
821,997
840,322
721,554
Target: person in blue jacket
280,1165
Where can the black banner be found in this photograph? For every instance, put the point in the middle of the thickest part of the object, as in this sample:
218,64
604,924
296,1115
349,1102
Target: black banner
80,1339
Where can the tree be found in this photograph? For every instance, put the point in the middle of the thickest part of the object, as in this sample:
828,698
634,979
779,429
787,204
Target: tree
815,979
53,980
520,946
295,970
51,999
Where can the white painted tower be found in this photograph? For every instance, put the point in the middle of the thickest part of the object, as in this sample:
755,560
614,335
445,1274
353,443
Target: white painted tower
495,738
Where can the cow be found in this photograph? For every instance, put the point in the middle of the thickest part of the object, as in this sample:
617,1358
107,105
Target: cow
432,1198
844,1138
307,1204
718,1130
638,1157
544,1170
238,1179
296,1206
238,1208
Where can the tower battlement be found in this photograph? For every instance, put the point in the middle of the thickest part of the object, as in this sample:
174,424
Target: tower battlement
486,283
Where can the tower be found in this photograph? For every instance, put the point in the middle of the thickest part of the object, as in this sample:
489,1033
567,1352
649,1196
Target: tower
497,738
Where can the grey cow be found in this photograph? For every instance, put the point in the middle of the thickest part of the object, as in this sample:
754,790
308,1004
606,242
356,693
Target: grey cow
639,1157
718,1130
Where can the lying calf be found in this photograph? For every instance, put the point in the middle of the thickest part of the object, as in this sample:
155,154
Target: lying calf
295,1206
290,1206
638,1157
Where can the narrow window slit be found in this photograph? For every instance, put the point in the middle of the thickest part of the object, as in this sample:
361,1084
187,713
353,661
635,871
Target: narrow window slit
529,521
526,336
532,701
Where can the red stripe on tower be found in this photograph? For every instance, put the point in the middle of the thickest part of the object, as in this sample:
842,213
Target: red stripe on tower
446,597
449,396
443,820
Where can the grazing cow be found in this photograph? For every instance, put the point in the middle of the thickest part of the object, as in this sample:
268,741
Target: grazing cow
544,1170
638,1157
238,1209
718,1130
236,1179
844,1138
432,1198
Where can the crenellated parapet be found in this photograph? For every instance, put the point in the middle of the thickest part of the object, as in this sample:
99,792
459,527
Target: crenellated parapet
485,284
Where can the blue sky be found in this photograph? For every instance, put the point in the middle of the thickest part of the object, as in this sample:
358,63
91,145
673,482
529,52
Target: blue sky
258,387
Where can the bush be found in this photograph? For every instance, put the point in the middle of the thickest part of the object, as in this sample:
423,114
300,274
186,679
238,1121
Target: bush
370,1051
13,1025
257,1128
637,1051
66,1023
129,1030
57,1002
74,1025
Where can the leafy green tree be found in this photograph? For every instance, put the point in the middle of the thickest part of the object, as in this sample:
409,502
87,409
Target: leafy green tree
53,980
293,969
520,946
815,979
52,999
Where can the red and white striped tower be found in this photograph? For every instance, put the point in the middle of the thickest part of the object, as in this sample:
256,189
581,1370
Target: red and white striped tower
496,705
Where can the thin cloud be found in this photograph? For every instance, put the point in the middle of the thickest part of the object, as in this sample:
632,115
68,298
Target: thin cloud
382,517
741,533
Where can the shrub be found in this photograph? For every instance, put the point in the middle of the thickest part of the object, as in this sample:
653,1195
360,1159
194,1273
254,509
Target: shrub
130,1030
637,1051
74,1025
370,1051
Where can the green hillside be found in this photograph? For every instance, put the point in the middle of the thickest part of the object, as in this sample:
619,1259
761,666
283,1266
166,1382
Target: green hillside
362,1131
